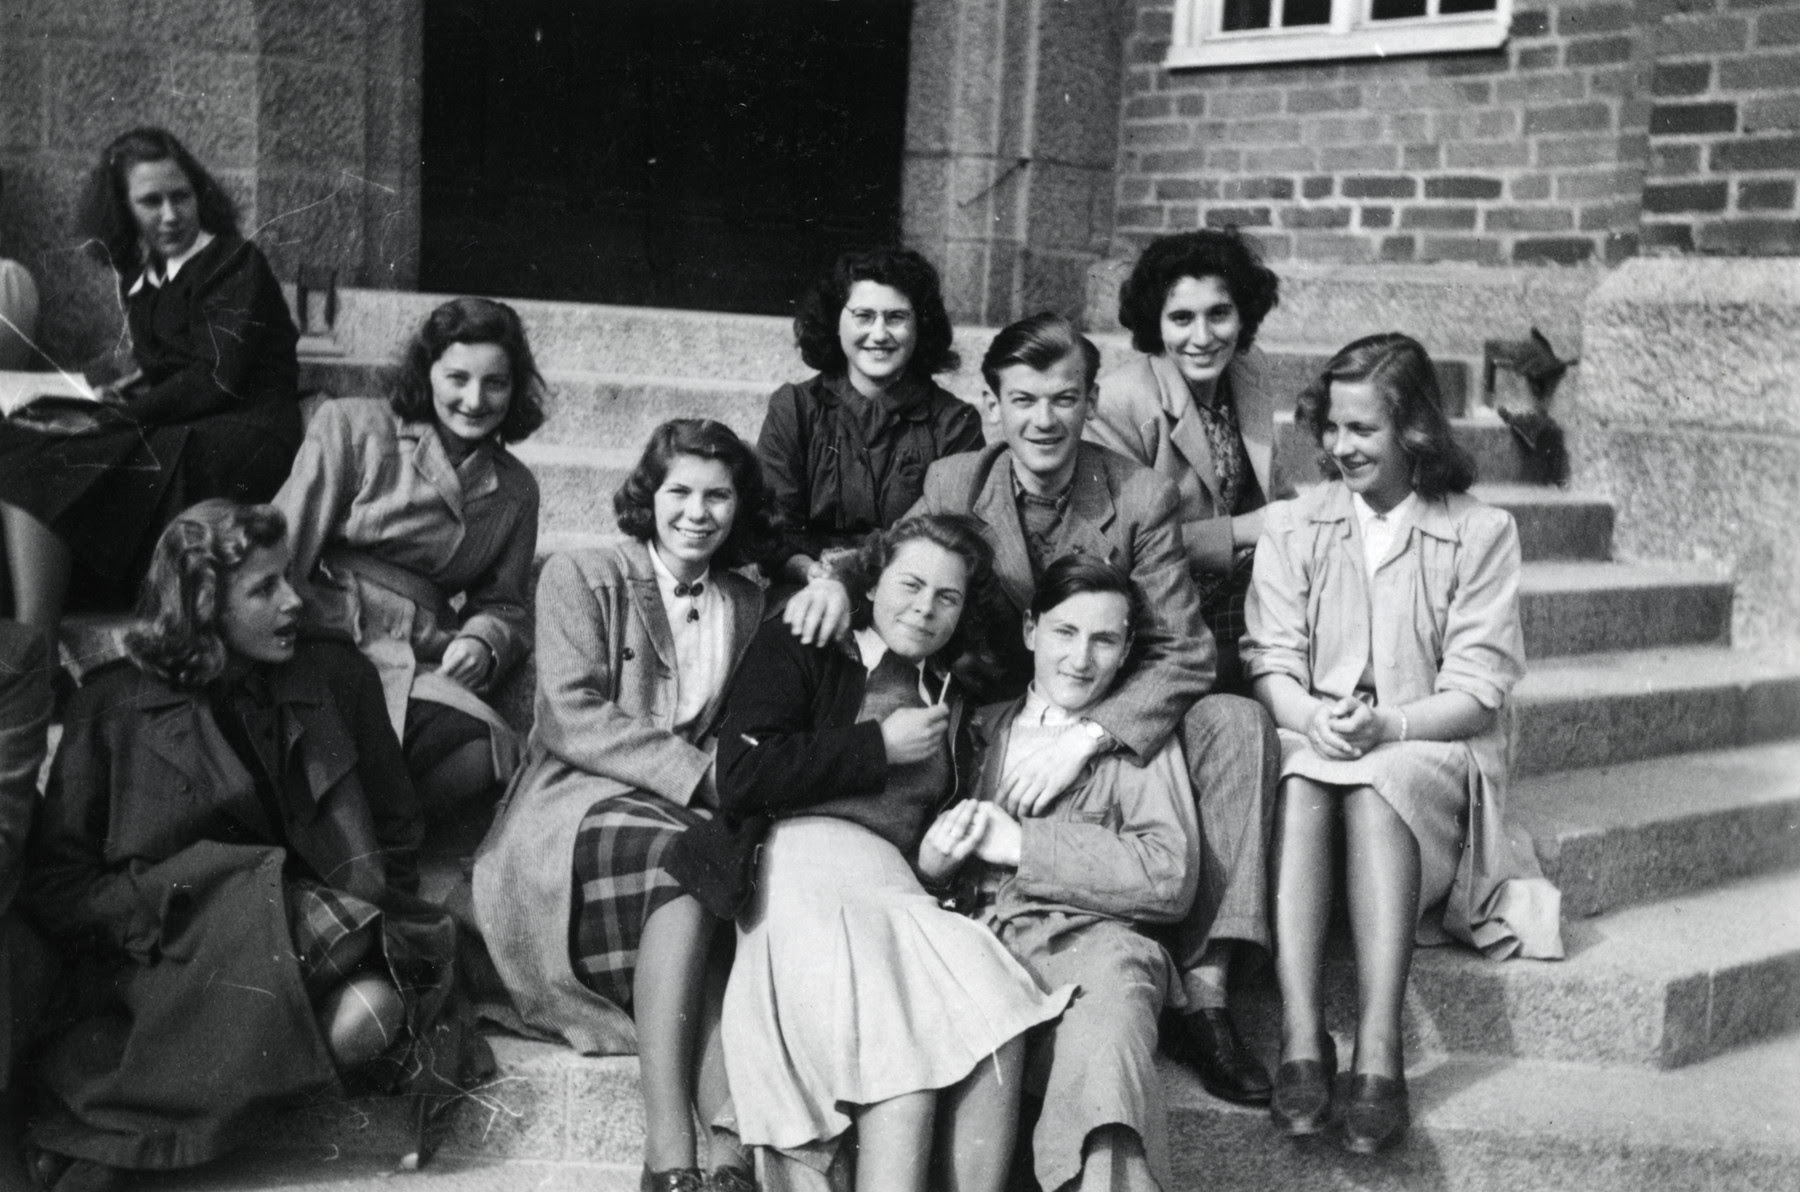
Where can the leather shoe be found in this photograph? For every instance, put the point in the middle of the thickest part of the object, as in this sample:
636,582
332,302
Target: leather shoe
1206,1041
1301,1104
731,1179
675,1179
1375,1113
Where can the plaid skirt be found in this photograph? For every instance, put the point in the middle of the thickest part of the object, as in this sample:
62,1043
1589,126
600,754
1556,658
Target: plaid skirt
619,883
334,933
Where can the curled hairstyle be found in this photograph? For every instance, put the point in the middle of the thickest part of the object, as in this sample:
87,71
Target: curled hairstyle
1073,574
1039,341
176,637
956,533
1253,287
816,319
752,529
1404,377
470,321
105,217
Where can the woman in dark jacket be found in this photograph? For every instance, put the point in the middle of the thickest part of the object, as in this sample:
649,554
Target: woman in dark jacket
209,412
854,997
846,452
226,856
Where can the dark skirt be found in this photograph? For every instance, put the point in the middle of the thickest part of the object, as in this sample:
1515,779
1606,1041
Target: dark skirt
620,881
109,493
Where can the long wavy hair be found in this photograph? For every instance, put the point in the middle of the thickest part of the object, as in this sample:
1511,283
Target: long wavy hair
177,637
816,319
1402,373
470,321
956,533
104,215
1223,254
752,533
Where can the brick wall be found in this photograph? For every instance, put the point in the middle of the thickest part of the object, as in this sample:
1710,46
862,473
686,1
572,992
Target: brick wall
1535,153
1724,129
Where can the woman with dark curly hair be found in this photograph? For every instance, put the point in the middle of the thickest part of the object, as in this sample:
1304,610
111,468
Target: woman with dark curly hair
210,410
846,452
636,642
855,998
226,854
1196,407
399,505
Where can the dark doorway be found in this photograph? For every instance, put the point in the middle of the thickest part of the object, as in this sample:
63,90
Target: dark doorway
710,154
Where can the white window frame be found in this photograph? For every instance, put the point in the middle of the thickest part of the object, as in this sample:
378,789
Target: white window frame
1198,40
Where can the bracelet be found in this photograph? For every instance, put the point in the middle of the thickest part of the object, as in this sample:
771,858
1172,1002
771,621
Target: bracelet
1405,724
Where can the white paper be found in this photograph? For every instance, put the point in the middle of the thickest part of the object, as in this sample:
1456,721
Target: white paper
20,389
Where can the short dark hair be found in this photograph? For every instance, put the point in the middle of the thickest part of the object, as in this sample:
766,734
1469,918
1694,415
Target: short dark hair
1073,574
957,533
816,318
752,530
104,216
176,637
470,321
1220,253
1402,373
1039,341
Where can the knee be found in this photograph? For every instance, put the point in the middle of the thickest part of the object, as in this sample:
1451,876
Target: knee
362,1018
1227,718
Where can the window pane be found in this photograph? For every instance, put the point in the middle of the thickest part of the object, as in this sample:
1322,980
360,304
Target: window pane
1449,6
1245,14
1388,10
1306,12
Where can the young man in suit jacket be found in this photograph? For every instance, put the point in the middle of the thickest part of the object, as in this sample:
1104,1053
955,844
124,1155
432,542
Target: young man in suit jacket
1042,492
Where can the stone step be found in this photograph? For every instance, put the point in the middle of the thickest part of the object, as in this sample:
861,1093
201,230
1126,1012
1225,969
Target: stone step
1608,708
1555,523
1582,607
1621,835
555,1120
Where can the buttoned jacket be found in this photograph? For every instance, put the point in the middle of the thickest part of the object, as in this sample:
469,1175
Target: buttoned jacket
1146,413
1120,511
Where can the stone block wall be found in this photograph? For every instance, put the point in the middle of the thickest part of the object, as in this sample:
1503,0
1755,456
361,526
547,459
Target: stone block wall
1724,129
306,112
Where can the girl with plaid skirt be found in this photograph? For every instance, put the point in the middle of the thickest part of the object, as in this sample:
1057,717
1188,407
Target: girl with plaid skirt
596,942
226,854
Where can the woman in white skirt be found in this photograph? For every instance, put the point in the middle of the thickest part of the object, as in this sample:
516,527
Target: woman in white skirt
1382,633
855,998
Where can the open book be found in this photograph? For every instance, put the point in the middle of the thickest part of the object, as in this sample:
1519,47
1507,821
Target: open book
20,389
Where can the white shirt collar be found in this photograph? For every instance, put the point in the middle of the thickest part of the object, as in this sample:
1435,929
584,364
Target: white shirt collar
172,266
872,649
1365,512
1038,710
666,581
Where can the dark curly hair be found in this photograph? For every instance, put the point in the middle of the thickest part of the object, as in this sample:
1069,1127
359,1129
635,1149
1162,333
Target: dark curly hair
104,214
176,637
470,321
752,533
1254,288
1039,341
1402,373
956,533
816,320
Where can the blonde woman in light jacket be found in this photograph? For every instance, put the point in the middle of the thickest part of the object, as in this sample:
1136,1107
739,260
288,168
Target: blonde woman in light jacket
636,643
1384,637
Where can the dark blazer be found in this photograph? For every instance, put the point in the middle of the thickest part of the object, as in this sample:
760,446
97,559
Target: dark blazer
816,461
1121,511
217,337
152,866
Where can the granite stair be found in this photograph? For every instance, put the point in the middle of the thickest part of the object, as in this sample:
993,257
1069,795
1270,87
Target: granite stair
1657,775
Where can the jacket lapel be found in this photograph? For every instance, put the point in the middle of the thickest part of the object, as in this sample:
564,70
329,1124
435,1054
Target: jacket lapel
432,464
1091,510
997,510
644,595
311,735
1255,405
1186,430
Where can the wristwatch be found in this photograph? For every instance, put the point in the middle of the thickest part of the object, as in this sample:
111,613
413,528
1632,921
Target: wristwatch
1099,736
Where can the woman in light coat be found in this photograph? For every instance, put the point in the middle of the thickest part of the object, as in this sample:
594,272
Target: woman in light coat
396,506
1383,636
597,943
